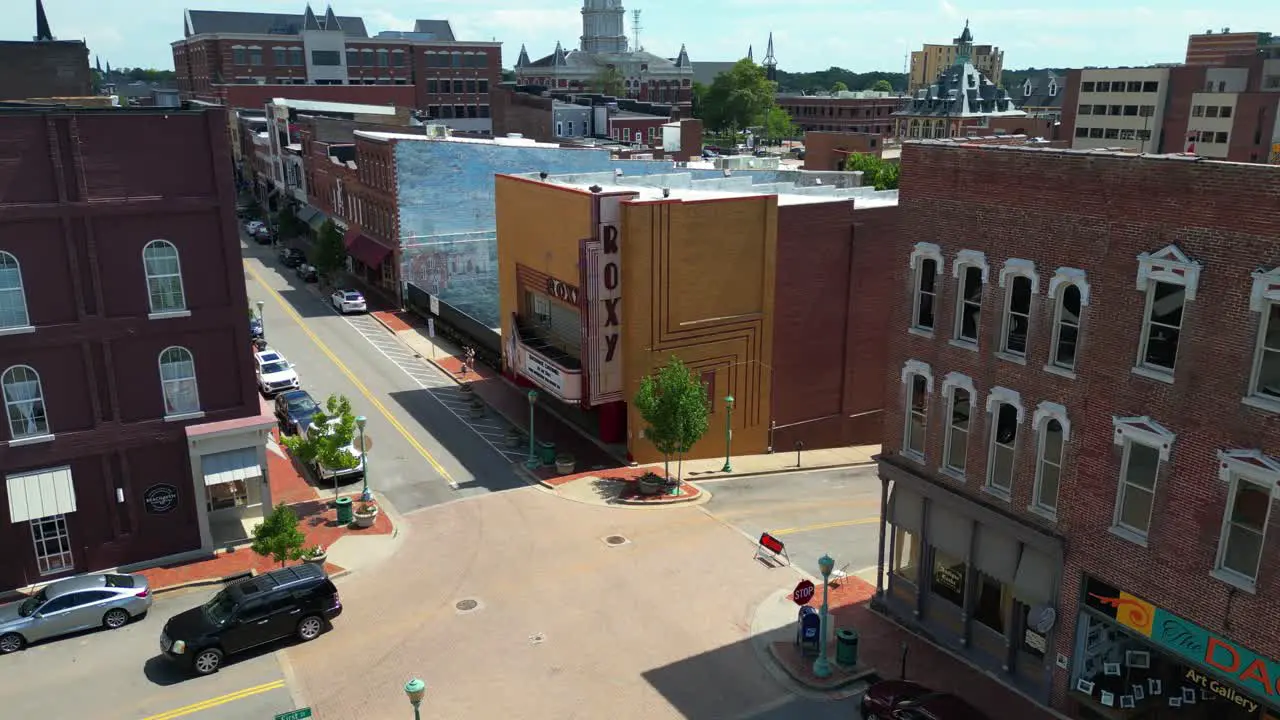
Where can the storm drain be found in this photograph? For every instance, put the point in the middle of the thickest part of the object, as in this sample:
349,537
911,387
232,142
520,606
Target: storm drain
537,638
615,540
467,605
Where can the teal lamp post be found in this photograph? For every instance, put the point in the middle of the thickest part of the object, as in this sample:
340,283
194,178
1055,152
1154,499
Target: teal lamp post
532,463
728,433
365,495
821,666
415,689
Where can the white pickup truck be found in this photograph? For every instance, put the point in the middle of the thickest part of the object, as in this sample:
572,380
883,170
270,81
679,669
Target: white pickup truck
324,473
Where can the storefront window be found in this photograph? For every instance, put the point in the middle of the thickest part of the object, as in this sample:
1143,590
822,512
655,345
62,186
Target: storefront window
991,607
948,577
228,495
906,555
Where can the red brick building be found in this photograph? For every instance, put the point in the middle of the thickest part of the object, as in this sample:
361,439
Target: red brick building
860,112
1082,433
427,68
1212,48
133,427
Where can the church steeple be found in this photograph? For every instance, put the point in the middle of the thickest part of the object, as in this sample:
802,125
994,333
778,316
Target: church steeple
43,33
523,60
751,53
603,27
770,62
964,46
682,60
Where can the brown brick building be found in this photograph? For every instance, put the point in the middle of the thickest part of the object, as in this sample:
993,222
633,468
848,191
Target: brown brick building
1212,48
862,112
44,69
447,78
130,395
1081,424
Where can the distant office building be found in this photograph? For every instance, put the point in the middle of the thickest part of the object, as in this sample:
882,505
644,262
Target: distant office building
930,60
1210,48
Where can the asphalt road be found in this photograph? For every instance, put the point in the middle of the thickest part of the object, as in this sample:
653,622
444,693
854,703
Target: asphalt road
120,675
828,511
420,447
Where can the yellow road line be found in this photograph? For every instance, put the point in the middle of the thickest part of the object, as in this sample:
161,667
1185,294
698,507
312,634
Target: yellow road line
825,526
293,314
215,702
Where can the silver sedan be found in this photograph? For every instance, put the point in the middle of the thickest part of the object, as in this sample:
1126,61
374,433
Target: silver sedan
107,600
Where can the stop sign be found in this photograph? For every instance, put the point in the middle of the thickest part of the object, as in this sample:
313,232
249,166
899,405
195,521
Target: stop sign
803,592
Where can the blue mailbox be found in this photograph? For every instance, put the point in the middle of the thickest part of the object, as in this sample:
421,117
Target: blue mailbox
807,632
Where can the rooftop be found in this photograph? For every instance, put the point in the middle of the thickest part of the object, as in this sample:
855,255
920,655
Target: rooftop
994,143
335,107
685,187
507,141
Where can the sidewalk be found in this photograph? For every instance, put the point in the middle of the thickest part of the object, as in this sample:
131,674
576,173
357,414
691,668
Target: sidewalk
880,644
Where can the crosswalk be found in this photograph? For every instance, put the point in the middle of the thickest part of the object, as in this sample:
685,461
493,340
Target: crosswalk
491,427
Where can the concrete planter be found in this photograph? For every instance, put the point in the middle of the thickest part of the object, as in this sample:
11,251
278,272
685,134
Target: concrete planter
316,559
364,518
651,484
565,463
513,439
476,410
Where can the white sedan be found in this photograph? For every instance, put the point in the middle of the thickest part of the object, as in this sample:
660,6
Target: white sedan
348,301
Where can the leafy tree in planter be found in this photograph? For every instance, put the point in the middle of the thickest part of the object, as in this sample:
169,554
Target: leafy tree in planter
330,253
278,536
676,411
288,221
331,447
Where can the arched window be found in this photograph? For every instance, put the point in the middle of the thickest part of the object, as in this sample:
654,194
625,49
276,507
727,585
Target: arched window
178,380
164,277
13,299
24,402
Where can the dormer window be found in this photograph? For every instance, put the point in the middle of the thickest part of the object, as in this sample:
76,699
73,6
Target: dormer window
1053,89
1026,88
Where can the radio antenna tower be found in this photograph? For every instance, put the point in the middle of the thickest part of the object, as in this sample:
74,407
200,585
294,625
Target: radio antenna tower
635,27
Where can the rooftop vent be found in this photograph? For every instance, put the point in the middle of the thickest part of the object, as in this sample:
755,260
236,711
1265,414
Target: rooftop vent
595,188
542,176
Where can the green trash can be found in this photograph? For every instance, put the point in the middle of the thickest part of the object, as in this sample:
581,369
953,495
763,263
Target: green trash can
846,647
547,452
344,510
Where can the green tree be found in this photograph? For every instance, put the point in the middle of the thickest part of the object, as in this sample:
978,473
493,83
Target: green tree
839,86
875,172
887,176
699,98
778,125
609,81
676,411
288,221
278,536
330,446
738,99
882,86
330,253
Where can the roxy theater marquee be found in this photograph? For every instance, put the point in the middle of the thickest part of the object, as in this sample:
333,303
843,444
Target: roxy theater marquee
603,282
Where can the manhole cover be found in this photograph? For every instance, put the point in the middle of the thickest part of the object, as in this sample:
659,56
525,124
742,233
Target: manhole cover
537,638
467,605
616,540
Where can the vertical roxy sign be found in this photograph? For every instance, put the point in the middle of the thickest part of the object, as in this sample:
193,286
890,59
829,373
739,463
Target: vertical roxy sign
604,311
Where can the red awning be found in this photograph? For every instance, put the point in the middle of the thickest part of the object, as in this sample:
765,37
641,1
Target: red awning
365,249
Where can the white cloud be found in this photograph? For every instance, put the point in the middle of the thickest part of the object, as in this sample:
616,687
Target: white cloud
948,9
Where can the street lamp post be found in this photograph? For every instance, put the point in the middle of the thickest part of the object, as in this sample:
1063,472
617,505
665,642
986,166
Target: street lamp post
728,433
261,320
532,463
415,689
821,666
365,495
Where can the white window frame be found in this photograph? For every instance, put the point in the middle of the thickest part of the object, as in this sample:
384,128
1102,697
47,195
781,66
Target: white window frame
1015,268
164,312
950,384
921,252
626,134
1141,430
1259,469
41,418
1063,277
9,263
966,259
569,126
559,128
1167,265
910,370
165,384
61,536
1265,293
997,397
1045,412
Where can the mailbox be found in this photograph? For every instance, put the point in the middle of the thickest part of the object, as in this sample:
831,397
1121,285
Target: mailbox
807,631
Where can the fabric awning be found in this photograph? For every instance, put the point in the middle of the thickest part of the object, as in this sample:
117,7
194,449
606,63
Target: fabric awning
949,532
317,220
365,249
40,494
230,466
996,554
1033,582
904,509
307,213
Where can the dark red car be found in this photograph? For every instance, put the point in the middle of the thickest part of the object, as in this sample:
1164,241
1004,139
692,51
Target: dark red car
904,700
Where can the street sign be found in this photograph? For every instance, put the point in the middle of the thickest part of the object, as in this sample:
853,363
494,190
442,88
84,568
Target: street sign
803,592
433,304
300,714
431,327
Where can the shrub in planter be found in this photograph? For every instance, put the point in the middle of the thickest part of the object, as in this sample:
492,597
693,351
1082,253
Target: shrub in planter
513,438
652,483
365,515
477,408
315,555
466,388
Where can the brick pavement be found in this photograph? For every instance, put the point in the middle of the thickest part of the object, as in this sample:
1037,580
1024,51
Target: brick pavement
880,646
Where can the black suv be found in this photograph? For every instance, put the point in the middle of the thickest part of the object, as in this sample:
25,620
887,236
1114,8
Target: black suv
298,600
292,257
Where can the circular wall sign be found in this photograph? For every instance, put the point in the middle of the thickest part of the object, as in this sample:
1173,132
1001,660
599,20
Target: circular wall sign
160,499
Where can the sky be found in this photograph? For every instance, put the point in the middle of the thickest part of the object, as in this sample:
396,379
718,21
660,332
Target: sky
808,34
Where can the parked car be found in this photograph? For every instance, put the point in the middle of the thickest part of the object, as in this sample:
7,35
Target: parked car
263,235
905,700
275,374
294,410
292,257
299,600
324,473
253,226
347,301
107,600
307,273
